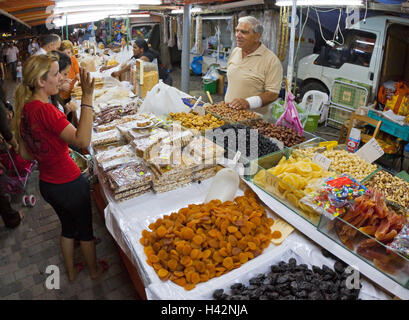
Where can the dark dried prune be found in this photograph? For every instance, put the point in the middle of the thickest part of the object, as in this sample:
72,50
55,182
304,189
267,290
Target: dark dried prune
292,262
327,270
282,279
254,281
315,295
237,286
270,288
272,295
339,267
317,270
301,294
217,294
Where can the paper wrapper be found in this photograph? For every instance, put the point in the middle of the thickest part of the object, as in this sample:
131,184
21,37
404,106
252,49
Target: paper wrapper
113,153
105,137
128,177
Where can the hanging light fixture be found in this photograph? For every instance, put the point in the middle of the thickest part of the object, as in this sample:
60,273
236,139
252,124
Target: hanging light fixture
320,3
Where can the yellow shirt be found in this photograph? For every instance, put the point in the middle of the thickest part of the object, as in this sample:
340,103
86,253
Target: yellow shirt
257,73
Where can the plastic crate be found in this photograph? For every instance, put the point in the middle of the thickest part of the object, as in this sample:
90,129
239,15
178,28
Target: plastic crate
337,116
391,127
349,94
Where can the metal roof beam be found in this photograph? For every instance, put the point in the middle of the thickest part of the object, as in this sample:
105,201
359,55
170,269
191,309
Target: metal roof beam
14,18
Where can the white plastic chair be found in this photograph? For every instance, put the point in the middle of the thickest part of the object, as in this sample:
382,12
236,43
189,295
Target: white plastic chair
316,106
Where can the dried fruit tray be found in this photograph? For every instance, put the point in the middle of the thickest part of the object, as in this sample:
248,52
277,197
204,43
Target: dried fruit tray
168,289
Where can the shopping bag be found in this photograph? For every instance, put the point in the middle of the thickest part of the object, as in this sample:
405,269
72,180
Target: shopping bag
290,118
163,99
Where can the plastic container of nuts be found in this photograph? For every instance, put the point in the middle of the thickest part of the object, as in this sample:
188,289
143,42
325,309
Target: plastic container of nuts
394,188
342,161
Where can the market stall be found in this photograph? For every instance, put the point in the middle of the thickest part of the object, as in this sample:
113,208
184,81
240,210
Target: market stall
139,185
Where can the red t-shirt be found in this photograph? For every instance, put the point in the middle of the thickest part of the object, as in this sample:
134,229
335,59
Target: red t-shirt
41,126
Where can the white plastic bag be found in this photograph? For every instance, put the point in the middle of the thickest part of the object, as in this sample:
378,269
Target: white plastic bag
212,73
163,99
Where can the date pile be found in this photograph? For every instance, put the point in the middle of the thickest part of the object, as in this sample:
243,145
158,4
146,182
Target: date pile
244,142
287,135
231,114
289,281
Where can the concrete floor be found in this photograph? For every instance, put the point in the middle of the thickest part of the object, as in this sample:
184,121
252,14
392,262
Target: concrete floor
25,252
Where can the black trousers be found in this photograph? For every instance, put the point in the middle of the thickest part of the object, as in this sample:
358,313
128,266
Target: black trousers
13,67
72,203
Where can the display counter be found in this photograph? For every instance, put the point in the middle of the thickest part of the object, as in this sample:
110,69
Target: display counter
130,209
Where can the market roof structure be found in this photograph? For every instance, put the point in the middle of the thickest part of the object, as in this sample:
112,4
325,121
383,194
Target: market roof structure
28,12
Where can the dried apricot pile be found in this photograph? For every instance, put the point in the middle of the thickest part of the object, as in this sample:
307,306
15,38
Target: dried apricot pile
204,241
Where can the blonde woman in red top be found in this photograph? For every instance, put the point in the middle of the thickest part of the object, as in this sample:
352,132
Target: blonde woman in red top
44,134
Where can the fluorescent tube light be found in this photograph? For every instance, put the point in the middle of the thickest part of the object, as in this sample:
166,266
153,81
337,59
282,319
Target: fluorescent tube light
320,3
94,8
130,16
84,17
74,3
193,10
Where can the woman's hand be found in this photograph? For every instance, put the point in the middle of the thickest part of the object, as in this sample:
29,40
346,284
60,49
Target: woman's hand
87,85
66,85
70,107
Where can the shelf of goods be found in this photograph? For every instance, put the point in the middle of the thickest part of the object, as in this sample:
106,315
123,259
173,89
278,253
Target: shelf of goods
361,236
143,207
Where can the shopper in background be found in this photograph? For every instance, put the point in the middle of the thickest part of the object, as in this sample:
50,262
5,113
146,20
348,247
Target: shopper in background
12,58
64,66
142,51
33,47
254,72
43,134
74,73
121,57
11,217
49,42
19,71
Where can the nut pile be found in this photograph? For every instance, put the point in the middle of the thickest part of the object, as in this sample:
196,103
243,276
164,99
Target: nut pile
343,161
230,114
247,146
287,135
394,188
194,121
289,281
204,241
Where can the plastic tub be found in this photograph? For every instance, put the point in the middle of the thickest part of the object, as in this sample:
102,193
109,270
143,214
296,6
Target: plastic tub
210,85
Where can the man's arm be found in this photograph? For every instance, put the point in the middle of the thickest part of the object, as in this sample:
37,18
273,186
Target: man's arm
266,98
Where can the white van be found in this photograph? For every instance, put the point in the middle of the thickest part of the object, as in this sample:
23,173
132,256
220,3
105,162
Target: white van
373,52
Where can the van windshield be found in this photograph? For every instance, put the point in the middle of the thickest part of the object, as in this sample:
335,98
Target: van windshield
357,49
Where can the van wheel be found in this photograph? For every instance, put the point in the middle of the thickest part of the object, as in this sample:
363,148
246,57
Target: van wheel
313,86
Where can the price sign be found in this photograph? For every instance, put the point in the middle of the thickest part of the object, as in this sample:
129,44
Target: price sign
370,151
322,161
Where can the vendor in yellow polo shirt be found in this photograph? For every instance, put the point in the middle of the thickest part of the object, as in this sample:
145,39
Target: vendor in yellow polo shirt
254,72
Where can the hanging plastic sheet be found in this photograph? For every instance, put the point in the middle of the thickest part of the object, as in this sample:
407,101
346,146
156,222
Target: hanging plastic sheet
171,40
192,34
179,33
165,37
198,44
